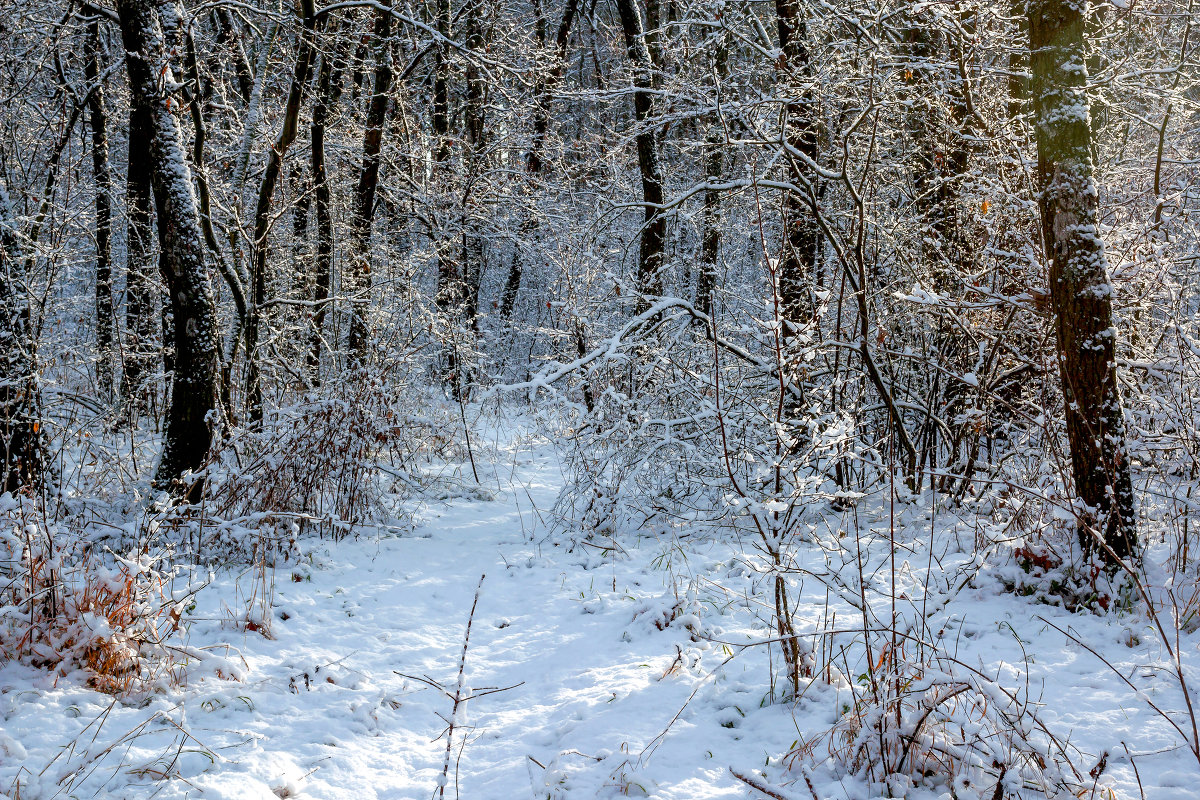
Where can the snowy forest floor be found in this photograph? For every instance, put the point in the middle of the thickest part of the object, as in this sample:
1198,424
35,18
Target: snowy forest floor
624,661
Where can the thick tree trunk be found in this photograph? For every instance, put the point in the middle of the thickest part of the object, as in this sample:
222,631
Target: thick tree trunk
194,396
1080,291
653,235
98,122
364,196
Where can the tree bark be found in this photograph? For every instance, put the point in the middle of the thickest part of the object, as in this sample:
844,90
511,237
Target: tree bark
227,36
799,262
188,433
940,126
654,227
328,93
534,158
262,211
714,167
1080,291
21,437
364,196
140,317
474,246
98,122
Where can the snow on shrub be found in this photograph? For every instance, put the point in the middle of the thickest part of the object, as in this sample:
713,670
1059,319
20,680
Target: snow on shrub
68,609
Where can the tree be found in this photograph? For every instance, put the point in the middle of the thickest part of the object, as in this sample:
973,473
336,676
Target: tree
1080,291
364,195
654,228
262,212
799,262
98,122
21,437
140,327
193,400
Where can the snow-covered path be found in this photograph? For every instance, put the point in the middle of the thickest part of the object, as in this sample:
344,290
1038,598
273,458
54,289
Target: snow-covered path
324,710
598,650
593,690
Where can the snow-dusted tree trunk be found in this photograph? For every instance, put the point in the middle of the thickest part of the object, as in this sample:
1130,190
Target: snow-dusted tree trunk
654,228
262,211
714,169
21,438
328,93
228,36
140,318
534,157
1080,291
98,122
799,263
364,196
194,394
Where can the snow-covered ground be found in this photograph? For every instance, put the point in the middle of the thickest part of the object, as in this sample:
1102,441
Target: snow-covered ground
621,665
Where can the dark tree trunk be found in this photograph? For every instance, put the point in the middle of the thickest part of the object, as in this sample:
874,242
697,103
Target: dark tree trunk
451,294
141,324
227,36
940,127
534,162
714,167
194,396
1080,291
21,437
474,250
653,235
364,196
799,262
328,93
98,122
301,191
262,212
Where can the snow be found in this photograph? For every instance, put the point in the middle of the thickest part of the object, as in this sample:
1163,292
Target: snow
627,659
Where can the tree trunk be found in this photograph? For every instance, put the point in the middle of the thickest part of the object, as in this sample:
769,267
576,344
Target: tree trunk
328,93
940,127
450,285
653,235
474,249
799,262
534,162
98,122
227,36
364,196
1080,292
194,397
21,436
262,211
140,317
714,167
